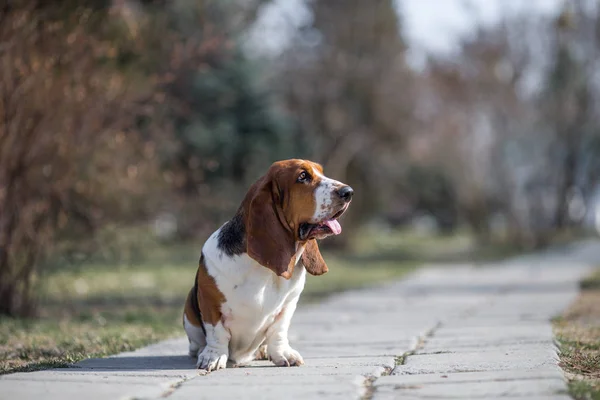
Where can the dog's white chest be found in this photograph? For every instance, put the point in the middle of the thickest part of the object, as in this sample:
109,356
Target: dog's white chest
258,293
254,295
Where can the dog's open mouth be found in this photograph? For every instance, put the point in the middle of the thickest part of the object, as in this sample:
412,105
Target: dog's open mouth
322,229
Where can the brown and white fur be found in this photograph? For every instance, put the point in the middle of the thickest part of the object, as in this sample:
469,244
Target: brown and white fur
250,278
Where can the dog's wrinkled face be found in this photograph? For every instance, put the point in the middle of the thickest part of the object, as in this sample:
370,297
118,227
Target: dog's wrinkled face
311,202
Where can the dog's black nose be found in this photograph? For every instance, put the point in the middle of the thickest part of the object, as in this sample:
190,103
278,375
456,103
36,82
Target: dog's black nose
346,193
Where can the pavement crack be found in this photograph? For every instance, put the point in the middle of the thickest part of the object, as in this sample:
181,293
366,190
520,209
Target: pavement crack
421,340
174,386
369,387
420,343
369,383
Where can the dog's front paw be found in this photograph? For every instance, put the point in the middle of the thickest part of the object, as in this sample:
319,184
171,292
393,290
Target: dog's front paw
211,359
286,357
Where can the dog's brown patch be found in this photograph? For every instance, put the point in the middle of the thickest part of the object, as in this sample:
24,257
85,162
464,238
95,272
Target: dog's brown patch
209,298
189,309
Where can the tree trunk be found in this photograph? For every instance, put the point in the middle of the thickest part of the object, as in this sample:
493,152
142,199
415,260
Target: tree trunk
561,216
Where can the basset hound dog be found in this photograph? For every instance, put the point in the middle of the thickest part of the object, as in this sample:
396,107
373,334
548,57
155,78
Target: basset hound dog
252,269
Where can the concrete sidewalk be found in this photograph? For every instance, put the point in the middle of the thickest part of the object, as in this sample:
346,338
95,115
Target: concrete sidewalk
445,332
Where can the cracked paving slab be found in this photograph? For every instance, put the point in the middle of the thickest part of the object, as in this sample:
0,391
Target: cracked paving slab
460,331
547,383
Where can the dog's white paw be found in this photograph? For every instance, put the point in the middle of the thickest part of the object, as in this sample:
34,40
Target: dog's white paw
286,357
211,359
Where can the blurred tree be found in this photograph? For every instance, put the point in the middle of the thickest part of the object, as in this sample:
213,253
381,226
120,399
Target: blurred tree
567,100
113,111
346,82
513,121
430,191
70,155
226,129
477,113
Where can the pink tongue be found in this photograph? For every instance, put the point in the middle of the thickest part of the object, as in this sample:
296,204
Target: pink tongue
335,226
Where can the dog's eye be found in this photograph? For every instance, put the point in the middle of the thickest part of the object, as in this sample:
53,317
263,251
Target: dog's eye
303,177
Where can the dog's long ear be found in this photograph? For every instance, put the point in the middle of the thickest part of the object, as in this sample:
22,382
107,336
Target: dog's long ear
269,241
313,260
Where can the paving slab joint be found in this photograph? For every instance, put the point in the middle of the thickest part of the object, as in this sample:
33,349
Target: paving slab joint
174,386
419,344
369,383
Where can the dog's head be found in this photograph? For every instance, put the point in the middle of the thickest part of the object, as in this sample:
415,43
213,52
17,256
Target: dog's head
287,209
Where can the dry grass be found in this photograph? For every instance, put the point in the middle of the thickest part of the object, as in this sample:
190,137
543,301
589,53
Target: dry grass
28,345
592,281
578,335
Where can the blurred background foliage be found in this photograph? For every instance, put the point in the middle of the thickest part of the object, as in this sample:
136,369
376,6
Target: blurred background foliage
126,125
